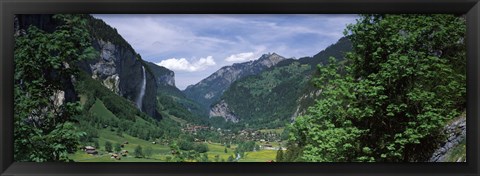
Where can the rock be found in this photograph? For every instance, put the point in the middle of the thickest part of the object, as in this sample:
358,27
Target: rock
211,88
221,110
118,66
456,132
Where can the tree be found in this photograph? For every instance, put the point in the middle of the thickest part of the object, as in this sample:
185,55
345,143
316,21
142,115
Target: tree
43,128
118,147
388,101
148,152
138,153
201,148
226,151
96,144
108,146
279,157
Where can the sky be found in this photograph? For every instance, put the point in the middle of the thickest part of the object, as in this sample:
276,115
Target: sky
195,46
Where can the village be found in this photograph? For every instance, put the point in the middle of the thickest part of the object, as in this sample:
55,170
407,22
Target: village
266,140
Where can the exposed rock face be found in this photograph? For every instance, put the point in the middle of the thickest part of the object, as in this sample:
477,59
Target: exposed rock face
120,70
211,88
456,132
163,75
118,67
221,110
105,67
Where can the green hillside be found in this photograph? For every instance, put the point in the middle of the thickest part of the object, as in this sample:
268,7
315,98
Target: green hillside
269,99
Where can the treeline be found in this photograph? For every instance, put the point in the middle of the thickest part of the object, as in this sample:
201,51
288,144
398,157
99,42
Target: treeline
405,78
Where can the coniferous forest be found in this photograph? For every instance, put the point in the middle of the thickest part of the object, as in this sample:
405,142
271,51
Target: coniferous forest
391,89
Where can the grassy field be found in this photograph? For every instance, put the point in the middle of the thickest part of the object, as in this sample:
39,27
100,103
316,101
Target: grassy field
259,156
160,152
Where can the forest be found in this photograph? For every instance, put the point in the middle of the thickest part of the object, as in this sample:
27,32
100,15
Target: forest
392,89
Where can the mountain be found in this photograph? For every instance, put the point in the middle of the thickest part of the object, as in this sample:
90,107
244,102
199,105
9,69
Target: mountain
270,98
211,88
172,102
163,75
118,67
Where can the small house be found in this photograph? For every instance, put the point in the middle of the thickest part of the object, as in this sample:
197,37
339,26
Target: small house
90,150
124,152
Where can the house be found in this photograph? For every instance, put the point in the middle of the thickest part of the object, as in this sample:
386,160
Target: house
90,150
124,152
115,156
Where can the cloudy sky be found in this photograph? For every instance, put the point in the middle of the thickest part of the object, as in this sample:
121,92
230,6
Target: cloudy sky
195,46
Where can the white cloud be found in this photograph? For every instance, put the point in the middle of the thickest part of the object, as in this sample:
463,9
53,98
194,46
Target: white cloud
183,64
240,57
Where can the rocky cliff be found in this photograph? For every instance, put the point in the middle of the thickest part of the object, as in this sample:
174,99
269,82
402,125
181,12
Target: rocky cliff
118,67
211,88
221,110
163,75
456,133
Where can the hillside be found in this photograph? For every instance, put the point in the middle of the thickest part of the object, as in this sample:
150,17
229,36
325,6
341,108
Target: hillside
211,88
272,97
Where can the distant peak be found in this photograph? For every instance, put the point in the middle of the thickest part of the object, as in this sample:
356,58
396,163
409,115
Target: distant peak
271,55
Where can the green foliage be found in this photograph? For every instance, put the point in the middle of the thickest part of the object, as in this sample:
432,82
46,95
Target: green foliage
246,146
105,108
148,152
108,146
118,147
188,145
267,100
405,79
42,129
138,152
180,106
279,157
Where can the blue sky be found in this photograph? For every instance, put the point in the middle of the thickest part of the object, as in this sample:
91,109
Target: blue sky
195,46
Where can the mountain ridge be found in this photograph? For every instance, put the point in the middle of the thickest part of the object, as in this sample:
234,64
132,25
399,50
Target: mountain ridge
209,89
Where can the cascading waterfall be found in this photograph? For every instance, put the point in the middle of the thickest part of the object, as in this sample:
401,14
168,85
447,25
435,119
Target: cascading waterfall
142,91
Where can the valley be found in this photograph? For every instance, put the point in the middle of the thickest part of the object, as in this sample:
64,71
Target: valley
366,97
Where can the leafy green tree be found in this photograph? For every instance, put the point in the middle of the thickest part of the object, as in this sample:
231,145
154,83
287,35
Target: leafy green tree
279,157
226,151
148,152
201,148
138,152
118,147
403,81
96,144
43,128
108,146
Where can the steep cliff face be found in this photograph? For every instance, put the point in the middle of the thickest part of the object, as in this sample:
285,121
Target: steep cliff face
221,110
211,88
163,75
456,133
118,67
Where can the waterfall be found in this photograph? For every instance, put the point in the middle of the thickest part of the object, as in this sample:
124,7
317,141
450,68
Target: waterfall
142,91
